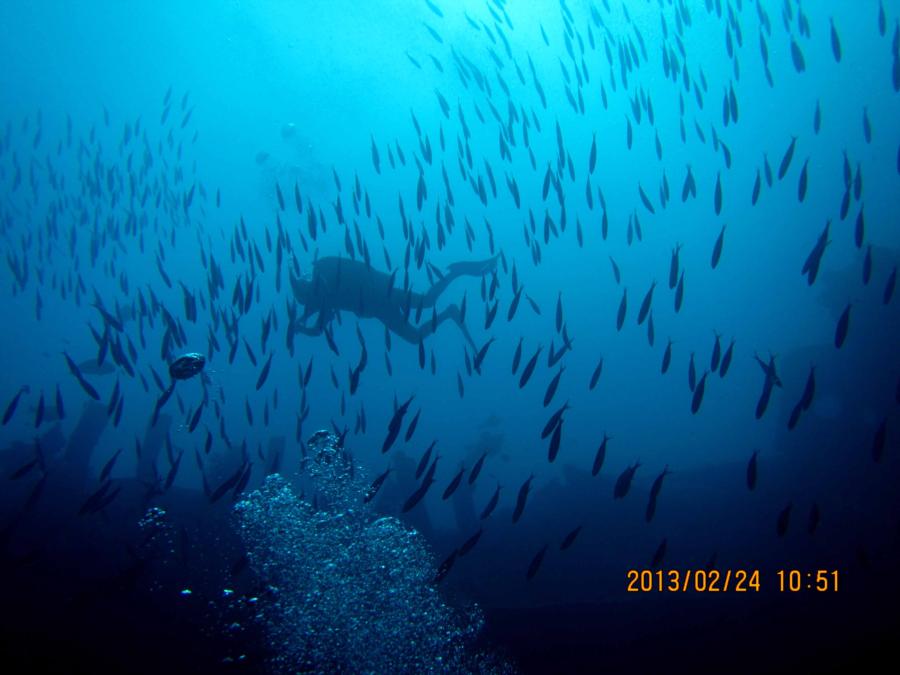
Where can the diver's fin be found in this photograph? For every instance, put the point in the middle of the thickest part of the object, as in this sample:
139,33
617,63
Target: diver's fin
472,267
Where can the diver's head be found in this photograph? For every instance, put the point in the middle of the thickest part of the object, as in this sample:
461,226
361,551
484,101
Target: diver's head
302,287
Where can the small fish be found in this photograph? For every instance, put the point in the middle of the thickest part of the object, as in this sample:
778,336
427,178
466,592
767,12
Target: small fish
423,463
697,398
809,390
476,469
553,421
479,357
469,543
90,505
840,332
418,495
673,266
717,248
645,305
229,483
376,486
411,429
718,194
667,358
751,470
108,467
535,564
595,376
264,373
554,442
615,269
60,408
659,554
551,388
517,356
454,484
570,539
13,404
39,413
726,359
623,482
788,155
195,420
23,470
529,368
835,43
444,568
521,499
814,517
395,424
492,504
600,457
623,308
784,518
173,471
76,372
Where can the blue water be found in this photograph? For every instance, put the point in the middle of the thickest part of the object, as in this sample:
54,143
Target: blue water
144,151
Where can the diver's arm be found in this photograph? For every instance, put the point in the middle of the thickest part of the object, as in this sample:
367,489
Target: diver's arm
313,331
323,320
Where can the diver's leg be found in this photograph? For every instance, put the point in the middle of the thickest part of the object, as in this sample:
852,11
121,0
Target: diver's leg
474,268
452,312
405,330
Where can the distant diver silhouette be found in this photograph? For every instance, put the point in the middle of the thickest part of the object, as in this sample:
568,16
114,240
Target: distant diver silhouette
354,286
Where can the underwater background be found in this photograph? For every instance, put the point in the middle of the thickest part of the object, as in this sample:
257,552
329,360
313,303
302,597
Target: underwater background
239,433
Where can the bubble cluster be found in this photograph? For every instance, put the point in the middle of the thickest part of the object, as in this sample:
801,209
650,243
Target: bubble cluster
345,589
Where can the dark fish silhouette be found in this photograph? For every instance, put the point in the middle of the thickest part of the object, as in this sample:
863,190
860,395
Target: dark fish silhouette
521,498
76,372
517,356
553,422
13,404
529,368
454,484
551,388
645,305
623,482
491,505
376,485
108,467
535,563
423,463
595,376
554,442
814,517
726,359
717,249
570,539
788,155
264,373
623,308
444,568
476,469
469,543
394,425
600,457
784,519
697,398
843,324
659,554
418,495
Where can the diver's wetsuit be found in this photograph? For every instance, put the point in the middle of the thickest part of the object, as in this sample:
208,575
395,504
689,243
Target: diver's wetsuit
343,284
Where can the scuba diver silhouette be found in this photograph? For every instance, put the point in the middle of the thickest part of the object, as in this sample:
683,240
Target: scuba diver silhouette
354,286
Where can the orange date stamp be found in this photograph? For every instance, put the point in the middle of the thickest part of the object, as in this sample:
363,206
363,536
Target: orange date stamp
728,581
